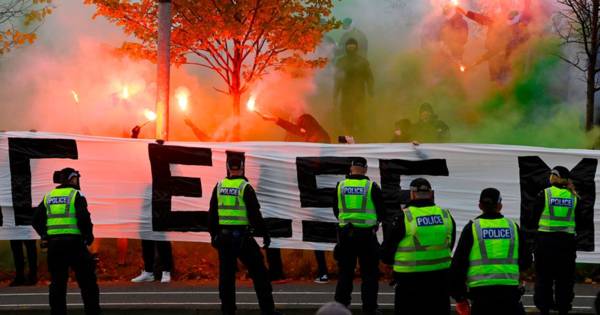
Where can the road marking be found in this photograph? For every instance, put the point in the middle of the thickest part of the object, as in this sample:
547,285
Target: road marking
216,292
21,306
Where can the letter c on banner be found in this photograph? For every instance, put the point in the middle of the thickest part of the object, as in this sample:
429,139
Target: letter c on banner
20,152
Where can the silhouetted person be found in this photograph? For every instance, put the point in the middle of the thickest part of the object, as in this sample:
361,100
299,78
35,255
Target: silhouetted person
200,135
454,33
429,128
305,129
358,35
353,80
498,37
402,131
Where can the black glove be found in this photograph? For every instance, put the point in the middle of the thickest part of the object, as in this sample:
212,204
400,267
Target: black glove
266,241
214,242
88,241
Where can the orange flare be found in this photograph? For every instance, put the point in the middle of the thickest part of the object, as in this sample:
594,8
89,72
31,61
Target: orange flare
150,115
251,104
182,96
125,92
75,96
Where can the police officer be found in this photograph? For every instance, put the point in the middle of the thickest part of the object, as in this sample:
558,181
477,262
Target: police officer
359,207
488,260
63,221
424,238
555,249
234,217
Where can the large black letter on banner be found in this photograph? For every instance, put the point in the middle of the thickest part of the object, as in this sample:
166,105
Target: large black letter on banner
20,152
391,170
165,186
313,197
534,175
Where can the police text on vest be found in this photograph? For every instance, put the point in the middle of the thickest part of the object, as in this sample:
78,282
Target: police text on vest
430,220
496,233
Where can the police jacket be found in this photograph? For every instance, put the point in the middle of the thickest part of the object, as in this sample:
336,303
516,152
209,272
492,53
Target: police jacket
540,204
460,260
84,221
376,194
395,231
257,223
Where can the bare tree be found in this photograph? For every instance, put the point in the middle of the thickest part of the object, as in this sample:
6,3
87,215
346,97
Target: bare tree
578,24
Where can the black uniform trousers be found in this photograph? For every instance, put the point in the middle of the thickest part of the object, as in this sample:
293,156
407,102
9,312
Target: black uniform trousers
152,249
65,253
422,293
555,255
496,300
234,245
362,245
19,258
321,263
275,263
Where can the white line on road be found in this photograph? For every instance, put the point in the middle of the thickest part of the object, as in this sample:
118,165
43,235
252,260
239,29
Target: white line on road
209,304
216,292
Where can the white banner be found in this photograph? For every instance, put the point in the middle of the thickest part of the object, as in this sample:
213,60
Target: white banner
127,182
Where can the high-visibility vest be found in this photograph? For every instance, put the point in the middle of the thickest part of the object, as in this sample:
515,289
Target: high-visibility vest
426,245
230,196
355,203
559,211
494,258
60,212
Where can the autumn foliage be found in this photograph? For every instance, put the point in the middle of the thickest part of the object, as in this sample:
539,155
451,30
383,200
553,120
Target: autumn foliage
239,40
19,20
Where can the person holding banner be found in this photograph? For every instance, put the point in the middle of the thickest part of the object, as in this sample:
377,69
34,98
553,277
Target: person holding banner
555,248
234,217
359,207
63,222
489,257
423,240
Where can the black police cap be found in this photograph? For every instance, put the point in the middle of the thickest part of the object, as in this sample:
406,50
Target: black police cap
359,161
490,196
420,184
235,164
561,172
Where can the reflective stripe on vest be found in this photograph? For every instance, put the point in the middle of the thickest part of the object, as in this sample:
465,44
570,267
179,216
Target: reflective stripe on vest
426,245
356,204
60,212
230,197
495,253
559,211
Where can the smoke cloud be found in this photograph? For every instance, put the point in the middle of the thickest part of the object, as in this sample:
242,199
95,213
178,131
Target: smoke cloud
71,81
